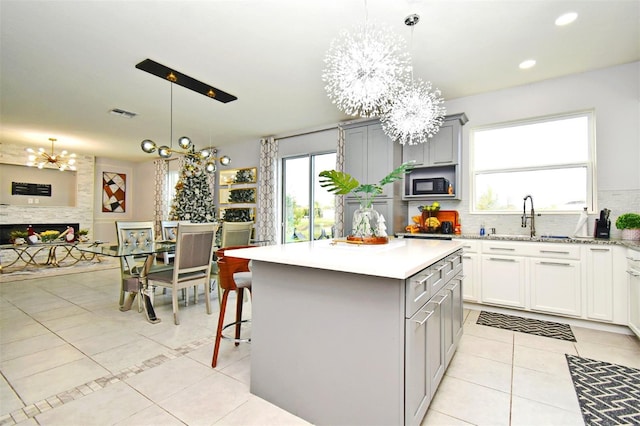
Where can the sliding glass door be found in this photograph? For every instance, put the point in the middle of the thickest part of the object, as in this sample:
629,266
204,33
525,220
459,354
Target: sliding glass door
308,210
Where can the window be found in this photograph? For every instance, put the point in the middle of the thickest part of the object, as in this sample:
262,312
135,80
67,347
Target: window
301,190
551,159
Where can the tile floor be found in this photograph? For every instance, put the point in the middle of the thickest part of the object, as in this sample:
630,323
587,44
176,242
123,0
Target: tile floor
69,357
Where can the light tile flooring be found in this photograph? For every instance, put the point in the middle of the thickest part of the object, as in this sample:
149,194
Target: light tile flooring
69,357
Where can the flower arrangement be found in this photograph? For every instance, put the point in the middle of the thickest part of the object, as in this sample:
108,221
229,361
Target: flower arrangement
48,236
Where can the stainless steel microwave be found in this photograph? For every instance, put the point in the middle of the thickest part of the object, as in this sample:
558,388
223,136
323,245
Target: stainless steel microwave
436,185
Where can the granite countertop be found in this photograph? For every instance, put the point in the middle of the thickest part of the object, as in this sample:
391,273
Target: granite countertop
400,258
545,239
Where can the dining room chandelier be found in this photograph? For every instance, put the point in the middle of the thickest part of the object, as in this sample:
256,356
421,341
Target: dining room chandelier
41,158
185,145
363,69
415,112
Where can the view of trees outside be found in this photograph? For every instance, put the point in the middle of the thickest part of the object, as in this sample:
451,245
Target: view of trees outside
548,159
302,190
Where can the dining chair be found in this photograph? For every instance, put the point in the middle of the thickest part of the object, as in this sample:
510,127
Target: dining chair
233,275
131,267
236,234
191,265
169,229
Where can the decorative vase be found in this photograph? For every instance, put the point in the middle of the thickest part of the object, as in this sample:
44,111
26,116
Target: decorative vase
368,227
631,234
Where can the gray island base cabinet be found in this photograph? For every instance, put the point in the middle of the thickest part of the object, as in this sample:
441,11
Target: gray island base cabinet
346,334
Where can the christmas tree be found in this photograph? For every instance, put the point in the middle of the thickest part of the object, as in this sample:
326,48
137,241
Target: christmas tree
193,200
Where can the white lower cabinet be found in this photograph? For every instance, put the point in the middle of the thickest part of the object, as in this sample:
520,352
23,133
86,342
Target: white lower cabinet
555,286
503,280
633,272
471,267
599,275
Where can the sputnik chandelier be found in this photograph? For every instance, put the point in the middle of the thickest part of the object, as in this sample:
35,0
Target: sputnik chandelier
368,74
41,158
186,147
364,69
415,112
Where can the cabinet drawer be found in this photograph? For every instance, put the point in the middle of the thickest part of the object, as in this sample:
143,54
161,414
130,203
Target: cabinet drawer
418,290
440,271
557,251
455,262
470,246
506,248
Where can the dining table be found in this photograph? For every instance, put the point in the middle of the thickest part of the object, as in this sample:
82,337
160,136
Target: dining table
129,252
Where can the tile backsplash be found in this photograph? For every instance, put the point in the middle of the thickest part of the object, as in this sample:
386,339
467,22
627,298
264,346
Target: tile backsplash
618,202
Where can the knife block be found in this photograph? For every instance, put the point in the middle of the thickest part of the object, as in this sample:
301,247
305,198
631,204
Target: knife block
602,229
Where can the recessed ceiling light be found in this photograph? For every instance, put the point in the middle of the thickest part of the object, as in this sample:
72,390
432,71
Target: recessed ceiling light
566,18
529,63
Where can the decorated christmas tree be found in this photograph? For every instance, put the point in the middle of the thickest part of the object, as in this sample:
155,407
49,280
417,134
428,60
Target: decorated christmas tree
193,200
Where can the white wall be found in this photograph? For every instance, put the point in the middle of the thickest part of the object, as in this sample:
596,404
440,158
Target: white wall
613,93
82,213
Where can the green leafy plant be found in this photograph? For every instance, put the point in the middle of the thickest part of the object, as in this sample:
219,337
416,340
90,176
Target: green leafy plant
341,183
628,221
82,232
17,234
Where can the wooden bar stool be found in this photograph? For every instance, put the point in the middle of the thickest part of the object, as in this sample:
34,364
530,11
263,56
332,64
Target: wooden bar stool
233,275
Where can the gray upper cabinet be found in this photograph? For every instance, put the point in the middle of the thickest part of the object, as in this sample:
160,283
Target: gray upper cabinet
369,155
442,149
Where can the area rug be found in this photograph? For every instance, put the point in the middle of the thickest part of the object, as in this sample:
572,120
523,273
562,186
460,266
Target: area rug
40,272
608,394
551,329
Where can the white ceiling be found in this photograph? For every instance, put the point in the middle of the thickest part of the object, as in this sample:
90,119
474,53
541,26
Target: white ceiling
65,64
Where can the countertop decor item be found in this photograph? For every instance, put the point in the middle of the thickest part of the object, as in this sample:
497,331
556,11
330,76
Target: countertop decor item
367,222
629,223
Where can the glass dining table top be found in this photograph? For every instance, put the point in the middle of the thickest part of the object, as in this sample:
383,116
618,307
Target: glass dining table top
116,250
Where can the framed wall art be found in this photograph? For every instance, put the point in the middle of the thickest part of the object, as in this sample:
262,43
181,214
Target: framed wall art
114,192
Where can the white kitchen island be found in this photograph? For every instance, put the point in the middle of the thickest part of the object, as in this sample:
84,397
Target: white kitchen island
337,328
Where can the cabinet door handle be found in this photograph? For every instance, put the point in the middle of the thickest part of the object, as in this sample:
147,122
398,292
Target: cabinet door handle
632,259
599,249
633,273
442,162
429,313
441,267
502,260
466,246
554,251
502,248
555,263
466,257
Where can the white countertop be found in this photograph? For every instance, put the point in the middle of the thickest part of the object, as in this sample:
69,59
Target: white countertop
400,258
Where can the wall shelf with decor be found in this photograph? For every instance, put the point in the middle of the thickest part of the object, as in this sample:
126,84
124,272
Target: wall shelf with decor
238,194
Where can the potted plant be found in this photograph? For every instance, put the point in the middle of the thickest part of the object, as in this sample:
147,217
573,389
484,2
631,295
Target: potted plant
83,235
18,237
629,223
368,225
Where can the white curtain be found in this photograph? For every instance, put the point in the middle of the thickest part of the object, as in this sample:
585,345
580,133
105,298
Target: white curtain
339,212
160,193
266,219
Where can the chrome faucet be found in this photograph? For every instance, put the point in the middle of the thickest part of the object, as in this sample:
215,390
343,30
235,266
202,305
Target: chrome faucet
532,216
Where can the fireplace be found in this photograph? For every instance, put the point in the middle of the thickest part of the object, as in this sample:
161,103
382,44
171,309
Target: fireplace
5,230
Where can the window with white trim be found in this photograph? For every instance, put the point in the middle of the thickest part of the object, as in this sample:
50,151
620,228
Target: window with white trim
550,158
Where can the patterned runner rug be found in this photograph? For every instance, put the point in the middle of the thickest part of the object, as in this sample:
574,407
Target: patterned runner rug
555,330
608,394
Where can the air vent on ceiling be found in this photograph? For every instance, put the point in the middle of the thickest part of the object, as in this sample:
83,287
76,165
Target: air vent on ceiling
123,113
